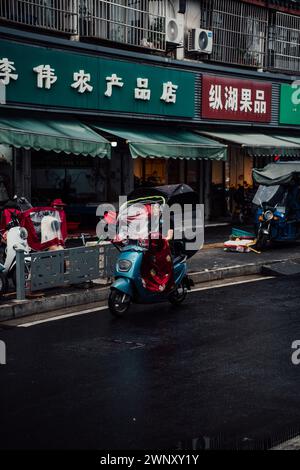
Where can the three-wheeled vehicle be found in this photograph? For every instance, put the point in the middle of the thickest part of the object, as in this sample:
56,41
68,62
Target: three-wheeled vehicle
277,200
151,266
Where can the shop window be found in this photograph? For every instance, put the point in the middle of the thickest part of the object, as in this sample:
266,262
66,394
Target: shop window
175,171
192,174
149,171
218,202
76,179
6,165
248,167
217,172
138,171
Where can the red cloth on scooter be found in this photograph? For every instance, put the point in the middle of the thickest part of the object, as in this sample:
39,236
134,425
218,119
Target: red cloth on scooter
157,267
33,227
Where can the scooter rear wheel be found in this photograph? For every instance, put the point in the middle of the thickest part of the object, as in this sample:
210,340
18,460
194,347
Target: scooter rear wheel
118,303
178,295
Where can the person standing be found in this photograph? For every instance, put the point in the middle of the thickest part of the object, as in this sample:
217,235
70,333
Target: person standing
59,206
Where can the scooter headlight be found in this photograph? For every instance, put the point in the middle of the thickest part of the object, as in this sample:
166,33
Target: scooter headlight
124,265
23,233
268,215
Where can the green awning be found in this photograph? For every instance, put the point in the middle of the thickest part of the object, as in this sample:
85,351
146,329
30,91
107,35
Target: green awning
69,136
167,143
291,139
259,145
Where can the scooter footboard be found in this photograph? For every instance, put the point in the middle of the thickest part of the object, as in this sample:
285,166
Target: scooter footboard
189,283
179,272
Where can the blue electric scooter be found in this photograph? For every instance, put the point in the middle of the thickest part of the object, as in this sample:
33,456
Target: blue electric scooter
129,287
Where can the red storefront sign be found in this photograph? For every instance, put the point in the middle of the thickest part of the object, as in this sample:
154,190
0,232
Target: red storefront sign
236,100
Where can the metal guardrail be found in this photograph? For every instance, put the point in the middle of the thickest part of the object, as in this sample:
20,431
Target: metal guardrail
48,269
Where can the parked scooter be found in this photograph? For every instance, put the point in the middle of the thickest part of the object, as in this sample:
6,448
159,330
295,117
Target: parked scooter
278,203
27,228
15,239
46,230
146,270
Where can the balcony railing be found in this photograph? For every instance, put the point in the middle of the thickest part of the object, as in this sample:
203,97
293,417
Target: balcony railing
239,29
53,15
243,34
284,44
138,23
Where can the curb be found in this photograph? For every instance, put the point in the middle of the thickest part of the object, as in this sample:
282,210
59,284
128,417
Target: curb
292,444
17,309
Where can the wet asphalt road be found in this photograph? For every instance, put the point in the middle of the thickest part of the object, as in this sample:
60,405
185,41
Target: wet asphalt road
219,367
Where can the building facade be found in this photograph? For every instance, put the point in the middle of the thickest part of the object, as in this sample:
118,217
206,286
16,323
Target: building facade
98,97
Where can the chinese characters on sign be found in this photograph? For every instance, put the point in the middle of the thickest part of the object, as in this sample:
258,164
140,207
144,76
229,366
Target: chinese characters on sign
234,99
7,70
46,77
142,92
290,103
81,82
114,80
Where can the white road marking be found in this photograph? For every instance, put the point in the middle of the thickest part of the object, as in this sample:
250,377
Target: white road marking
60,317
232,283
105,307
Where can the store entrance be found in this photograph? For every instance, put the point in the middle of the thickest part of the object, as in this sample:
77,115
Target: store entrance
160,171
80,181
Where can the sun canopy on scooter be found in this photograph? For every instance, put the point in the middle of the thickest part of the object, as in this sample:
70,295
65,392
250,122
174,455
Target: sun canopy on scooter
45,227
281,173
172,193
179,203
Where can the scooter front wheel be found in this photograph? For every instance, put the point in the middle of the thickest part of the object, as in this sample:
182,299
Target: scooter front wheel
261,242
178,295
118,303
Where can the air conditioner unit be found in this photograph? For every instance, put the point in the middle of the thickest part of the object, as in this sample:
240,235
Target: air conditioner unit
175,31
200,40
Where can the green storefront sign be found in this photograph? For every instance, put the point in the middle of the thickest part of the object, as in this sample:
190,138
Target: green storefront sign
49,77
290,104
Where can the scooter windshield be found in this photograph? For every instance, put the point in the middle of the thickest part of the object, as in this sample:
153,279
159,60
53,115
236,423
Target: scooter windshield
43,225
137,220
267,194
